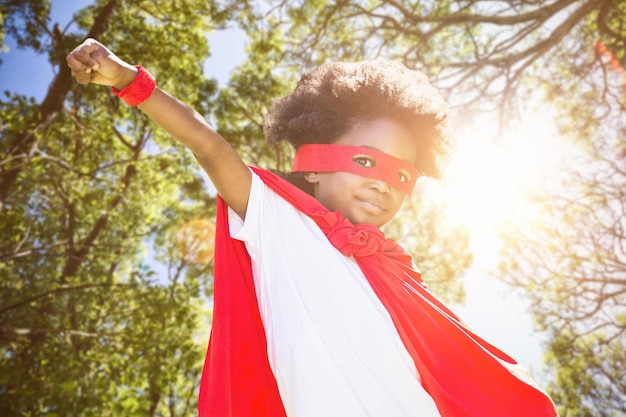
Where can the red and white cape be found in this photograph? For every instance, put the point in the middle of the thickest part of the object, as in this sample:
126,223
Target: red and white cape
465,375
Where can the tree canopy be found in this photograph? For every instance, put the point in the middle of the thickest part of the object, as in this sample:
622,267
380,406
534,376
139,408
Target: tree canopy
100,313
572,266
485,55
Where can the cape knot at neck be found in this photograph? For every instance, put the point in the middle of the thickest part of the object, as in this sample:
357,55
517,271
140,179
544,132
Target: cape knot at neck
355,240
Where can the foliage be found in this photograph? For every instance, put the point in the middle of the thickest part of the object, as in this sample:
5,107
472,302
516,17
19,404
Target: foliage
480,53
572,265
589,374
99,315
249,95
24,21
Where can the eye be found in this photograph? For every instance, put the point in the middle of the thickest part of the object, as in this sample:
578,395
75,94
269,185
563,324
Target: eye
364,160
404,176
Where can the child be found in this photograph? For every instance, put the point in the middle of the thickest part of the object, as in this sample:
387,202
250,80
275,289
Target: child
316,313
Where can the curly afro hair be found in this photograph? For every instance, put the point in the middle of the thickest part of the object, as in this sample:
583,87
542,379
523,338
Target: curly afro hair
331,99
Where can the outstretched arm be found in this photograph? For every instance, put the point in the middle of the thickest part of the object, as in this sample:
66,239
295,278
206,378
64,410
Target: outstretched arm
91,62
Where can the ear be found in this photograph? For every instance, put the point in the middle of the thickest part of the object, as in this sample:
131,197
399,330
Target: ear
312,177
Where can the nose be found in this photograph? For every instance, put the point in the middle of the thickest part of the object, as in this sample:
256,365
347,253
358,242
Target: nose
381,186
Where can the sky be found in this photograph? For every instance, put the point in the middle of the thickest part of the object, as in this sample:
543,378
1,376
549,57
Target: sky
490,308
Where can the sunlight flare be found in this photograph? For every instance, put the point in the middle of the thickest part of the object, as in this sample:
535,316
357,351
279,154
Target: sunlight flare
487,184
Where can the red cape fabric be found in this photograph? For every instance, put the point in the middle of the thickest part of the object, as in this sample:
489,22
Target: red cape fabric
465,375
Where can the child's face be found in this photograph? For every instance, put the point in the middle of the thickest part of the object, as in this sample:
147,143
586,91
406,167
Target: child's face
362,199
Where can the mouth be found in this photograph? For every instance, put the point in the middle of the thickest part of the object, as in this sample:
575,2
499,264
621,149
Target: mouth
372,207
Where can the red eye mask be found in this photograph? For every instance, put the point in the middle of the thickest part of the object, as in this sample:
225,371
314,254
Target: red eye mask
359,160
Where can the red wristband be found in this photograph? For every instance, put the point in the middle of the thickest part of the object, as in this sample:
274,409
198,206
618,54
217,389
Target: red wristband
139,90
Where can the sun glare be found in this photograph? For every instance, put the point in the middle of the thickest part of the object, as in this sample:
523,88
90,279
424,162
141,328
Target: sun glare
486,184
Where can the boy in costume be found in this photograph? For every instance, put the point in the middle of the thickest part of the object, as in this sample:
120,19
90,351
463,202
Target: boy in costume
316,313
